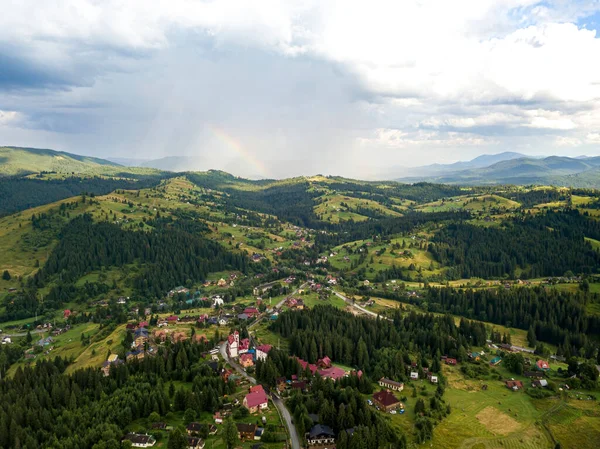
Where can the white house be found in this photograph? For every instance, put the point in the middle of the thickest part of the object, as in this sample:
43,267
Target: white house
233,344
262,351
414,375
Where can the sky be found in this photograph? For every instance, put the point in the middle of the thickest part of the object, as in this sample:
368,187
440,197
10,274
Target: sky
269,88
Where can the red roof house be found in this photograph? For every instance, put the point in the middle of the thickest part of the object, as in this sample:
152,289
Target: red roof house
334,373
246,360
262,351
67,313
386,400
256,401
303,364
251,311
325,362
542,365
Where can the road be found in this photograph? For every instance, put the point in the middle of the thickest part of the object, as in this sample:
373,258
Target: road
23,334
283,411
356,306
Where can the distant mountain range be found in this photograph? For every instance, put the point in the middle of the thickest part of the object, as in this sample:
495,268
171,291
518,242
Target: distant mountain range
513,168
503,168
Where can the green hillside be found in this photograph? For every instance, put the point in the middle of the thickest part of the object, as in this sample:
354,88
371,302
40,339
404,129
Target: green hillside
16,161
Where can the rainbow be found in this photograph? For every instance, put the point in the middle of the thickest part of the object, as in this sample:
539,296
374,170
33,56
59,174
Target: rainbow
237,147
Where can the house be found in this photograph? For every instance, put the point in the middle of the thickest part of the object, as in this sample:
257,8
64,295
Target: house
159,426
176,337
242,317
244,346
217,301
246,360
304,365
414,375
251,312
475,356
321,436
140,336
233,343
140,440
221,283
281,384
195,443
218,418
533,374
299,385
333,373
246,431
542,383
194,428
6,341
433,379
255,388
66,314
542,365
256,401
450,361
325,362
514,385
172,319
495,361
386,400
262,351
391,384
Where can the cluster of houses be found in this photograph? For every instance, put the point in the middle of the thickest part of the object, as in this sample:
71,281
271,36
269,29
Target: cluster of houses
325,369
241,349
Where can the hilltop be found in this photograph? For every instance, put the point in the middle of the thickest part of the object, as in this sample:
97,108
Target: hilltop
17,161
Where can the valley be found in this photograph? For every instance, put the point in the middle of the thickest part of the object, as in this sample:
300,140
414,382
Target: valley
148,283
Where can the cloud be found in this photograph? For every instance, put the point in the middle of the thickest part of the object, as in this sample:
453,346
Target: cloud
8,117
302,84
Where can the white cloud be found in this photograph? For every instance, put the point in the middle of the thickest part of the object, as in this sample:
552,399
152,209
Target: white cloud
9,117
431,76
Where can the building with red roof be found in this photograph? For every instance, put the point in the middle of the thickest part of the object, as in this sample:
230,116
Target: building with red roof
233,343
251,311
325,362
333,373
542,365
262,351
246,360
303,364
244,346
386,400
256,401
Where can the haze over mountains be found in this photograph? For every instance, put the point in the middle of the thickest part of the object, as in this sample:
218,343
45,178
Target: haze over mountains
487,169
512,168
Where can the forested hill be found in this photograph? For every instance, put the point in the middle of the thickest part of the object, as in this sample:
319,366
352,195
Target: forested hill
18,194
22,161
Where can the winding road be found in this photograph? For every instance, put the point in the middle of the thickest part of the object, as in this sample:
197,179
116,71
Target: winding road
283,411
